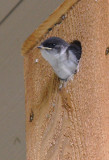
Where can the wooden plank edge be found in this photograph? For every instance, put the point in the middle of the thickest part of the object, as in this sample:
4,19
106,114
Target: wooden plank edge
54,18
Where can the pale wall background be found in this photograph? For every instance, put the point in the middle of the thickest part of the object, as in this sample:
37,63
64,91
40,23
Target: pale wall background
18,19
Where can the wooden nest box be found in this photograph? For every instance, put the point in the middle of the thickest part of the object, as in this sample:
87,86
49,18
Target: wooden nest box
71,124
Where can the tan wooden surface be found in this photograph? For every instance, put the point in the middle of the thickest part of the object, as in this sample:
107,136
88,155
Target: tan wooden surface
71,124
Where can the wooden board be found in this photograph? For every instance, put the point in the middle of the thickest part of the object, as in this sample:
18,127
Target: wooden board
71,124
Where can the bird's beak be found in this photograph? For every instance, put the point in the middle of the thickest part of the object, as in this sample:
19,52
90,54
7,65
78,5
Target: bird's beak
41,47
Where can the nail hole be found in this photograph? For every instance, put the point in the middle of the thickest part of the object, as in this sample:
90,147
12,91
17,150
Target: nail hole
107,51
49,29
31,116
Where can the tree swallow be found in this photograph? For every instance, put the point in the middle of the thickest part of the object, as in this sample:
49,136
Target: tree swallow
62,56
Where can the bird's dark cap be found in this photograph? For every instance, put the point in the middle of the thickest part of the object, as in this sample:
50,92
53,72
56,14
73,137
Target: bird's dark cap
53,41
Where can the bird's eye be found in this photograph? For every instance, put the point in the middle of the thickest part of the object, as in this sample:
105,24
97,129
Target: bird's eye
52,45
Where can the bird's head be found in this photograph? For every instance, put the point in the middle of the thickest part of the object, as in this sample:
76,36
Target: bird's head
53,46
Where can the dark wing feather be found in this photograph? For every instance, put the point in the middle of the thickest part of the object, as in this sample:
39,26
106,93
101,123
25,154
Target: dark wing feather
75,48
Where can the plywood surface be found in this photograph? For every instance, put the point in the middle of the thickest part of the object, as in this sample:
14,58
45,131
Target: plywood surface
71,124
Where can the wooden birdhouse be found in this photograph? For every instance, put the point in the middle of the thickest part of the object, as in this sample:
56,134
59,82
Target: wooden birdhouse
71,123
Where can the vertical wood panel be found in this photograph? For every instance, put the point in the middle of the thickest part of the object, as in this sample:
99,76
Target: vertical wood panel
71,123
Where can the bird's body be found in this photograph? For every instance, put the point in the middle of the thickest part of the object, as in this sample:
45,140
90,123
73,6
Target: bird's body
62,56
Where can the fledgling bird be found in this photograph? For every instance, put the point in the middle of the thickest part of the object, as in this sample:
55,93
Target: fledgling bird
62,56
